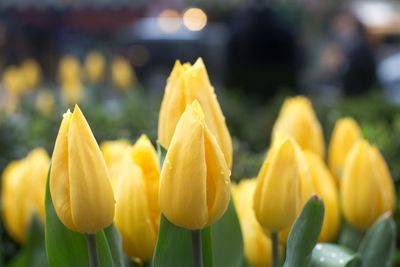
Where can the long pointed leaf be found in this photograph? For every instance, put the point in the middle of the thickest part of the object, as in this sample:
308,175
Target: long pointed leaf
331,255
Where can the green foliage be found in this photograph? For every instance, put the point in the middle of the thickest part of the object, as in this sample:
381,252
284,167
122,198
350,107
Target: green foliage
331,255
304,234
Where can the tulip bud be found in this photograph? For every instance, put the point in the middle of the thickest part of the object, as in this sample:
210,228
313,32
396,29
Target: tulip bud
254,237
297,119
344,135
277,196
325,187
366,187
23,190
79,181
194,181
94,66
123,75
133,215
187,83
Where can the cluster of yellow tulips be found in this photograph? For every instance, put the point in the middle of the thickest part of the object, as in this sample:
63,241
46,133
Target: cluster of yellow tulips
20,80
93,186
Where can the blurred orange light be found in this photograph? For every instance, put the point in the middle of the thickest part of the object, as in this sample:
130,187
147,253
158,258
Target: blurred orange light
194,19
169,21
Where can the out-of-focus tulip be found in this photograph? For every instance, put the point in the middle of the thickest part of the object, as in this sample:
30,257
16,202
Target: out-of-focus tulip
277,196
344,135
23,190
95,66
257,245
187,83
366,187
72,91
13,80
297,119
325,187
113,153
194,181
145,156
133,214
32,73
79,181
69,69
45,102
122,73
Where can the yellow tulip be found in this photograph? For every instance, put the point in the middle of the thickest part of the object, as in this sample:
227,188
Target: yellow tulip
79,181
344,135
45,102
145,156
366,187
297,119
187,83
72,91
13,80
69,69
257,245
94,66
133,214
23,191
113,153
325,188
123,75
194,181
32,73
277,196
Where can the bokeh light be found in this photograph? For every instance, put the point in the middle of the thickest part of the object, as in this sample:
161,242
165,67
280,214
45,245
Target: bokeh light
169,21
194,19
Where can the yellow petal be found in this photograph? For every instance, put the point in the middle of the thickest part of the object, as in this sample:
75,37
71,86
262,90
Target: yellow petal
297,119
91,196
344,135
132,216
183,180
277,195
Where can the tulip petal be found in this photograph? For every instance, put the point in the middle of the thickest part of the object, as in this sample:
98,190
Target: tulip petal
183,196
59,176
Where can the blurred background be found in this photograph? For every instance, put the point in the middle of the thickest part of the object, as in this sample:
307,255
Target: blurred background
113,58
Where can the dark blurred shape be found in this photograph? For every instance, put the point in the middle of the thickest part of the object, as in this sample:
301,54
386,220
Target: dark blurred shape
262,52
358,67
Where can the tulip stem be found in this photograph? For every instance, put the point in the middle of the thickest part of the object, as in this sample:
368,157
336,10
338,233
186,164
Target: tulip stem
92,249
275,249
197,250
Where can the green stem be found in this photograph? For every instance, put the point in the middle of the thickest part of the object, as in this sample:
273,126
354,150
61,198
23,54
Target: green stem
92,249
207,247
275,249
197,251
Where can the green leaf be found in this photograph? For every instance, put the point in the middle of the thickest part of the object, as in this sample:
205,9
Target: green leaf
304,234
115,244
350,237
379,244
227,239
64,247
173,246
330,255
33,254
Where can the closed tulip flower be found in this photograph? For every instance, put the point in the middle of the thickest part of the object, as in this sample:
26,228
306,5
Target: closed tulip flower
187,83
95,66
23,191
257,245
123,75
366,187
194,181
277,196
325,187
297,119
79,181
133,214
344,135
